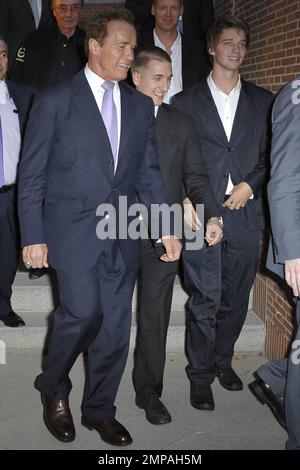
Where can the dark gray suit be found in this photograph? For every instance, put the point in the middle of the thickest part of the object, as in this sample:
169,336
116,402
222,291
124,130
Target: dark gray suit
283,375
220,278
181,164
17,21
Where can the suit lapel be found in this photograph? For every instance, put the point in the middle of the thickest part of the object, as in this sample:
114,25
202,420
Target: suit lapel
207,103
127,125
241,116
28,8
85,102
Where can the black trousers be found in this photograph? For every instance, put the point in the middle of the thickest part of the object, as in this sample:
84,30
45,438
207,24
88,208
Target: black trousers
94,317
156,282
219,280
9,247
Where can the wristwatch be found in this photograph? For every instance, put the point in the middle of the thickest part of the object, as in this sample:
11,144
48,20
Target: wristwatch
220,221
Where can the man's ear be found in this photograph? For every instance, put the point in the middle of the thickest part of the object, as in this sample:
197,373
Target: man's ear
211,51
93,46
136,78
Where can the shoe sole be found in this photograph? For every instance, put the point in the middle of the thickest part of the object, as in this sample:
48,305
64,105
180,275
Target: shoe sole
264,400
90,427
206,407
231,389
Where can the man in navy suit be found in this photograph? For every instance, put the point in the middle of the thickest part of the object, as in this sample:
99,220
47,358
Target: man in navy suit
14,105
231,116
89,143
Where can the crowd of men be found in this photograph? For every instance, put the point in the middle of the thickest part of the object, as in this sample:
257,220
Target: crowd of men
162,118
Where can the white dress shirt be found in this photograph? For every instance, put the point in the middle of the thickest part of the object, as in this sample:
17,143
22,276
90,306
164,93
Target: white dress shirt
176,57
95,83
226,106
10,135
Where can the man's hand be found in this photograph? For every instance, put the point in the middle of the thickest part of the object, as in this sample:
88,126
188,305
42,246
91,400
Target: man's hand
239,196
292,275
35,256
173,248
190,215
214,233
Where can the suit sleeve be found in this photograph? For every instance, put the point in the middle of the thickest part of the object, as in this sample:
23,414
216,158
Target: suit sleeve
33,172
149,185
284,187
4,19
196,179
258,177
141,10
19,71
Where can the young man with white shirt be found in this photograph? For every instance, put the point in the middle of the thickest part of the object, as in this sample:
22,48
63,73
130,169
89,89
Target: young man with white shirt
231,116
14,104
188,68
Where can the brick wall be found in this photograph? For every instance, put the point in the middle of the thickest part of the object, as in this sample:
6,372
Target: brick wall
273,59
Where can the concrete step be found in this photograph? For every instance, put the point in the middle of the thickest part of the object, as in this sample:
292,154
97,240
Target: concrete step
35,300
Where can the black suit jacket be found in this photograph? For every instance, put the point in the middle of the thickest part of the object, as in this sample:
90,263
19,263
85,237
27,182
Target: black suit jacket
17,21
181,160
246,156
39,65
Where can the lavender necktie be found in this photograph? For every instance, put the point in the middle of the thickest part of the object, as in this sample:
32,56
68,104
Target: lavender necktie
1,158
35,11
109,116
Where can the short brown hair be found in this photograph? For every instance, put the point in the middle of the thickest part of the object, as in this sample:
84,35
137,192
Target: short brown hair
226,22
53,2
97,25
146,54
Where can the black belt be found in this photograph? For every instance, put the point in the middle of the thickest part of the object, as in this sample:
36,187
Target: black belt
7,187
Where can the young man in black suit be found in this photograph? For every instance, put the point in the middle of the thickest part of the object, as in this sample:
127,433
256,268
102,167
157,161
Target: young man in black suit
231,117
18,18
15,101
182,165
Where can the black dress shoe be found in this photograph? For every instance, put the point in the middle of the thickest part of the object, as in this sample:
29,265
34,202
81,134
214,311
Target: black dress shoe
110,430
156,412
12,319
202,397
266,396
229,379
58,419
37,273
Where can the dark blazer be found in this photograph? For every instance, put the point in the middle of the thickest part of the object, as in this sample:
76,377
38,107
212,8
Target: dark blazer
17,21
245,156
66,172
181,160
37,63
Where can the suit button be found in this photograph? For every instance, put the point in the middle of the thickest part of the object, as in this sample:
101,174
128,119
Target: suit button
230,149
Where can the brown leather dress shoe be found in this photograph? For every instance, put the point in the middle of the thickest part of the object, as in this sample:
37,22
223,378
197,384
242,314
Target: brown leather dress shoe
110,430
58,419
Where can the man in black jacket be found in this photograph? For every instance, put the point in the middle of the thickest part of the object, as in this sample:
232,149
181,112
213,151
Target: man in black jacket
15,101
18,18
182,165
51,54
231,117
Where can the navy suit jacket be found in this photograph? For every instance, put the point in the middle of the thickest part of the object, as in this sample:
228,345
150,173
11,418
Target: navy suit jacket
67,171
245,157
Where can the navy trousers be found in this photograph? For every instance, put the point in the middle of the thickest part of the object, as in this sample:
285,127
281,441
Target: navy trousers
94,317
